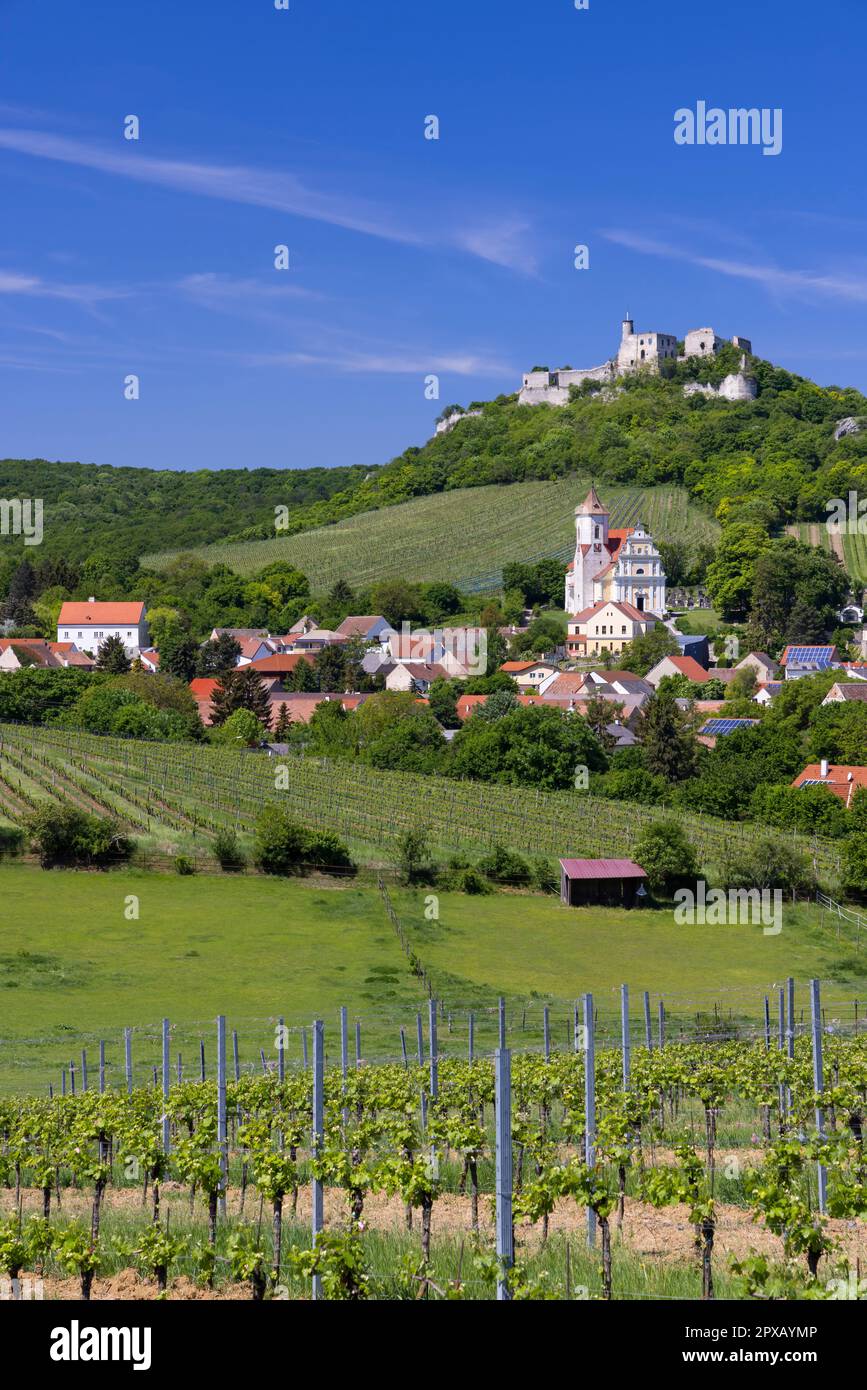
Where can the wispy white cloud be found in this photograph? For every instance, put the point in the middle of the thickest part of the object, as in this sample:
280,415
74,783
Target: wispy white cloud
226,292
409,363
803,283
507,243
231,183
503,241
14,283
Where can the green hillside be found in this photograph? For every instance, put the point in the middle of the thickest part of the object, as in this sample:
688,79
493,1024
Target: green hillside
464,536
773,461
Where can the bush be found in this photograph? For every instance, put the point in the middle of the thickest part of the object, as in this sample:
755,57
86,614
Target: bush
545,876
414,859
184,865
504,866
11,840
283,846
65,835
853,874
323,850
666,856
471,881
767,863
228,852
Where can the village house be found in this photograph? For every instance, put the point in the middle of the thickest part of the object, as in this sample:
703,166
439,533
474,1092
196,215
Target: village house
846,692
841,779
677,666
765,667
413,675
606,626
530,676
368,627
88,625
765,693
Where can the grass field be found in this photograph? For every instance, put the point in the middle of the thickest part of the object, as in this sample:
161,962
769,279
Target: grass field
74,969
465,536
699,622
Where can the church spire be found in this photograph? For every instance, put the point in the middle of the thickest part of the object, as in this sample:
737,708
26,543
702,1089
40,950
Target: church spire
591,506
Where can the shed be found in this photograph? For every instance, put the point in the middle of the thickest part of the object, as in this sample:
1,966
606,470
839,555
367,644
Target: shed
612,881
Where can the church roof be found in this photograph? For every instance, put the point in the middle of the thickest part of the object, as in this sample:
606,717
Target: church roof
591,506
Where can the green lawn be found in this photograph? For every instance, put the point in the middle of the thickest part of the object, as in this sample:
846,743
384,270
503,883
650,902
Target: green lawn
73,969
516,945
254,949
699,622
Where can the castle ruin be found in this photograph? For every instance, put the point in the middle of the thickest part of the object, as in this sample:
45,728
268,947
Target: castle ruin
638,352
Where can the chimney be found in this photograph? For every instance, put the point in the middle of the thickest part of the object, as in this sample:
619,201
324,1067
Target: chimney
823,768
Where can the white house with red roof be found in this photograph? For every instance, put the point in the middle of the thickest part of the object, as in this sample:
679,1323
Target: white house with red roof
619,563
606,626
88,625
531,675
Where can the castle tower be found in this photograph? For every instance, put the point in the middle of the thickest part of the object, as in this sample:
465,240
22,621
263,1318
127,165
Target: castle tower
627,328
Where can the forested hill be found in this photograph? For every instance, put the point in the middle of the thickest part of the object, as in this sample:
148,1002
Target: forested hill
125,511
768,462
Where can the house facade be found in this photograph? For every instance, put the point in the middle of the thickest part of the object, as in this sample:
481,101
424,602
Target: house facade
606,626
88,625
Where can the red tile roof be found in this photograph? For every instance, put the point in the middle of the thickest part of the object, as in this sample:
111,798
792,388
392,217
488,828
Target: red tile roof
92,614
622,607
281,663
689,667
837,780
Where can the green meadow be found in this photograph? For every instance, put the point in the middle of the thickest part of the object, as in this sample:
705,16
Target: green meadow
76,966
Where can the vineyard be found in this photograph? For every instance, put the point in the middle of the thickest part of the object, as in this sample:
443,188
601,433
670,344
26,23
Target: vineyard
485,528
607,1168
173,791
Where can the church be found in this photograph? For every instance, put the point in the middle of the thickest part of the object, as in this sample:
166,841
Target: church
620,565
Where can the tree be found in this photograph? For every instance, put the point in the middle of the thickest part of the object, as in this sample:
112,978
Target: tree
599,713
303,677
669,745
414,858
241,688
643,652
731,575
218,655
241,730
283,725
179,655
767,863
853,868
534,745
796,592
667,857
162,622
330,669
111,657
443,703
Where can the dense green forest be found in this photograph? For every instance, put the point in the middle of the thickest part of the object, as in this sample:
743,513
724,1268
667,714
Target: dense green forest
90,508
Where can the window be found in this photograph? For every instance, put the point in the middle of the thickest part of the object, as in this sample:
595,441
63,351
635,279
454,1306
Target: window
623,629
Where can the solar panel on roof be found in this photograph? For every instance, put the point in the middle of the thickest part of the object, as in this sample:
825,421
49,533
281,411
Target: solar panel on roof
809,656
714,727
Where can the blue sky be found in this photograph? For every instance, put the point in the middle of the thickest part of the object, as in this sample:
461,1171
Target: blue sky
408,256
